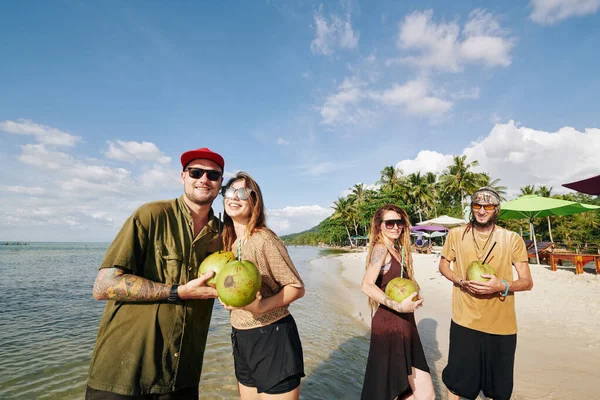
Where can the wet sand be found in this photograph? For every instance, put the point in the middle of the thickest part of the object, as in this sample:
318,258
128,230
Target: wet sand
558,350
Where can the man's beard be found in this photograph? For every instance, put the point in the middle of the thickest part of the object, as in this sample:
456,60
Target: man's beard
201,201
490,222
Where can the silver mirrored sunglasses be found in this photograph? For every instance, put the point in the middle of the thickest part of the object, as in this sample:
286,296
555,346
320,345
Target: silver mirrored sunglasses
240,193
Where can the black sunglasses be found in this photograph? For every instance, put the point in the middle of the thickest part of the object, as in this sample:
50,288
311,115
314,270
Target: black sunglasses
211,174
389,223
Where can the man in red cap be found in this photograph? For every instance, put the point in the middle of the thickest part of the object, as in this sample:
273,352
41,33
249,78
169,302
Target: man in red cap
153,331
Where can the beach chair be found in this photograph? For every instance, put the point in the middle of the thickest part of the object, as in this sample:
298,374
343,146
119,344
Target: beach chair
528,244
422,247
544,250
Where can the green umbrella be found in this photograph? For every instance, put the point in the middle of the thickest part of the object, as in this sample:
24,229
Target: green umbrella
532,206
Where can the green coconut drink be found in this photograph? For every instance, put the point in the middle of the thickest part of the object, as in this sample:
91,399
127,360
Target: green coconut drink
238,282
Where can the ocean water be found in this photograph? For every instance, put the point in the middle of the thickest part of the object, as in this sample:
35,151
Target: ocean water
49,322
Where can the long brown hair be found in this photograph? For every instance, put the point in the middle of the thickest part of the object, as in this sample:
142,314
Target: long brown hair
403,241
258,217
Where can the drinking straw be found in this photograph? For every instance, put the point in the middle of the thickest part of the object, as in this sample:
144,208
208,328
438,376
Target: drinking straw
219,235
488,254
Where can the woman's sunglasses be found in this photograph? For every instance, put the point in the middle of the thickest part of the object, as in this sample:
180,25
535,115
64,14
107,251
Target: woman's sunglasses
211,174
389,223
486,207
241,193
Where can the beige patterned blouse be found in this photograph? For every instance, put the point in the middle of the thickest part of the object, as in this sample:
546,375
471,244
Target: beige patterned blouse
277,270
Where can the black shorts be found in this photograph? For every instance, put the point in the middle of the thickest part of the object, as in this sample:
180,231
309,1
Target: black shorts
479,361
269,358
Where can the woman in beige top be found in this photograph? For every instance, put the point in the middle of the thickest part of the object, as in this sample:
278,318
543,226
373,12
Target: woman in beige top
267,350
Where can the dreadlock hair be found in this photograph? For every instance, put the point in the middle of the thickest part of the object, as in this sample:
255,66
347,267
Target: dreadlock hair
375,236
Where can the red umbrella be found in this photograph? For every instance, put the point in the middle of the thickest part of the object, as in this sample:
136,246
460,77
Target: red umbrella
587,186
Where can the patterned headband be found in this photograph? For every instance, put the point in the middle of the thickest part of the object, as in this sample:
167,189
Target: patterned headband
486,195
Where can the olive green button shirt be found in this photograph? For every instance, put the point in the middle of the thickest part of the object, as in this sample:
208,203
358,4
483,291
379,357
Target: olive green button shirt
155,347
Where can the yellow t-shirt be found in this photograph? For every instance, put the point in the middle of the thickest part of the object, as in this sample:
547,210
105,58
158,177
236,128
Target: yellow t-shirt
489,313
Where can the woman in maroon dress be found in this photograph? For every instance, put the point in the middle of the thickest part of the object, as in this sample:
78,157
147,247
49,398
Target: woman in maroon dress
396,367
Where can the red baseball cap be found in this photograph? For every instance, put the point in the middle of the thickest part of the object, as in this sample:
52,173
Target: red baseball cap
202,153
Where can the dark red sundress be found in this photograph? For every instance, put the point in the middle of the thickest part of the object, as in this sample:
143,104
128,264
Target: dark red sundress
395,348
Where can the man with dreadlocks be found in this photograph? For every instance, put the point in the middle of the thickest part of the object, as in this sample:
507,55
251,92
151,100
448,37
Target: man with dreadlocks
483,330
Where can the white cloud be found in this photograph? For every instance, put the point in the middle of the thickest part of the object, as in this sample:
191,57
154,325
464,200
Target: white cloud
296,219
426,161
442,46
332,34
282,141
549,12
44,134
354,104
415,97
466,94
99,173
78,198
159,175
39,155
133,151
341,108
522,156
28,190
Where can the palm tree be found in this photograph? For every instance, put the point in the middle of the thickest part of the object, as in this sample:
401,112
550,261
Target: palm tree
433,184
545,191
344,209
391,178
419,193
359,195
458,178
529,189
359,192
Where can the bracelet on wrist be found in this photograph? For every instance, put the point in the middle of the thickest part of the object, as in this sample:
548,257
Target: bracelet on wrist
505,290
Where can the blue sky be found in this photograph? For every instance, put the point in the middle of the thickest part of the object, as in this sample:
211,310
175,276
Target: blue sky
98,100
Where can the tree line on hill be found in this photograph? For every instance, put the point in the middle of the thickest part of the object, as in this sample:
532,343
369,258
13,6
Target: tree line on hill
426,196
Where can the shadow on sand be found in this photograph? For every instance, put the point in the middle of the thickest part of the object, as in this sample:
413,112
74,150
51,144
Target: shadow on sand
566,266
428,333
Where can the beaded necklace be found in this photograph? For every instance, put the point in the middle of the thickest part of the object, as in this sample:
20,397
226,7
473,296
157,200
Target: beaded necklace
481,251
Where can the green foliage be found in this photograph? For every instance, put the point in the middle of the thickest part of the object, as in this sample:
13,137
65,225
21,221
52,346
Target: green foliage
426,196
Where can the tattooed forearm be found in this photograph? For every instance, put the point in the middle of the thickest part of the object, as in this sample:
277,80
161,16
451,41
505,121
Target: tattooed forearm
389,303
114,284
394,305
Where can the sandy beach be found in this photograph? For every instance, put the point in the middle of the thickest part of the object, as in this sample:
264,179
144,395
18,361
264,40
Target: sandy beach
558,350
